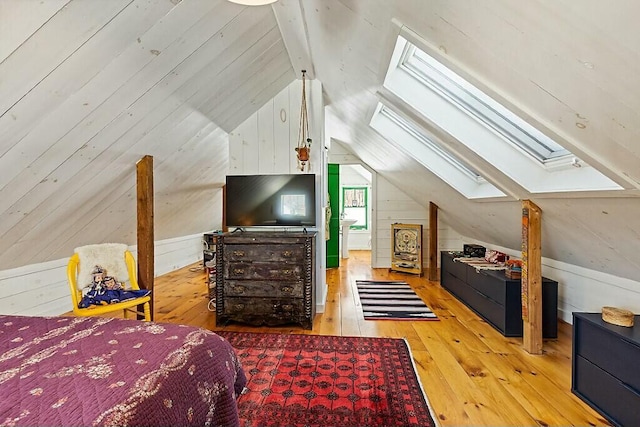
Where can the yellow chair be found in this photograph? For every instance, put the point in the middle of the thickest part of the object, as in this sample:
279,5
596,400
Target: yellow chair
125,263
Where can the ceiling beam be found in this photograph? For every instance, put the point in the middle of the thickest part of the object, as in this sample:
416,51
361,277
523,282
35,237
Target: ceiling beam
293,28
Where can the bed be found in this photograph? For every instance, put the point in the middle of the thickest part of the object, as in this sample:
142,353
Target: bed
91,371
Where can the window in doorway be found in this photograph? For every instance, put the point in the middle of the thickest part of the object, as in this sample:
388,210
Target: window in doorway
355,206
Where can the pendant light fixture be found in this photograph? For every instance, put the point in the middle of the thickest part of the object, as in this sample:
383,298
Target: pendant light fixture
303,150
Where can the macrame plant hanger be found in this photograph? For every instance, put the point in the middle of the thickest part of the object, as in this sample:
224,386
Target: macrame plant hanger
303,150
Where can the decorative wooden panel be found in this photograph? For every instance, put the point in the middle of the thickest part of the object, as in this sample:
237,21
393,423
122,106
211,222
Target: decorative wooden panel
406,248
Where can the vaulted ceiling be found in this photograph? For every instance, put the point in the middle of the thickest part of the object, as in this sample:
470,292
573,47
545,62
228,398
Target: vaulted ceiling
87,87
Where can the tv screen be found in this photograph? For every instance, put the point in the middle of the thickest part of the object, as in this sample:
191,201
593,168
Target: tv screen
271,200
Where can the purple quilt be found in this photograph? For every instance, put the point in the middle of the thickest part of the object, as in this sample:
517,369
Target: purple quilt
71,371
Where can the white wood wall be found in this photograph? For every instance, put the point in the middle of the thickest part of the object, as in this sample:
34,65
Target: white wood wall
42,289
265,143
394,206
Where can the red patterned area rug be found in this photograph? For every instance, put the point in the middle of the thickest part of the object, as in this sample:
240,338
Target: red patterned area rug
313,380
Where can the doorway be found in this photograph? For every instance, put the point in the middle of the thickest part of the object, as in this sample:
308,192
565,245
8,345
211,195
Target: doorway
355,214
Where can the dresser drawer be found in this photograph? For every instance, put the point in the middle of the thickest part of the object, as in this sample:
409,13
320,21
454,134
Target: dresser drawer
605,393
454,285
263,271
608,351
459,269
286,308
487,308
280,252
487,285
240,288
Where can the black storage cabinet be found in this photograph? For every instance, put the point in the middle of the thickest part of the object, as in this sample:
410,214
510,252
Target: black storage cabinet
496,298
605,372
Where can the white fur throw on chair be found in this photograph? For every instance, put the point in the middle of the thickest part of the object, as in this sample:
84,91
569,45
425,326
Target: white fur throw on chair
107,255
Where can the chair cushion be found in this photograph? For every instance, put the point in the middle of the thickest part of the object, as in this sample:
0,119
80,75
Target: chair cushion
107,255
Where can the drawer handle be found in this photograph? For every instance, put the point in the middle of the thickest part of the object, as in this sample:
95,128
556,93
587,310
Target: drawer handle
238,307
287,254
239,289
287,289
287,307
287,272
238,254
238,271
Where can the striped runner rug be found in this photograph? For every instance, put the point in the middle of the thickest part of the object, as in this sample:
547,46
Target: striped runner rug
392,300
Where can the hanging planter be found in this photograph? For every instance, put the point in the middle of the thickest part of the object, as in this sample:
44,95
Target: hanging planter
303,150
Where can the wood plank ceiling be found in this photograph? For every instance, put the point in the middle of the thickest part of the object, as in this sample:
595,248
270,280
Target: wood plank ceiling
87,87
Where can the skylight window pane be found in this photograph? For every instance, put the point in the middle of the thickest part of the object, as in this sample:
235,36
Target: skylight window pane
410,128
481,106
409,137
438,98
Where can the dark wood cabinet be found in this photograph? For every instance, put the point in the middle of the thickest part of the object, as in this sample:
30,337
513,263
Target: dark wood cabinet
266,278
605,370
496,298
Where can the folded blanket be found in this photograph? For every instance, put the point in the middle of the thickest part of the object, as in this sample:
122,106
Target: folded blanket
101,296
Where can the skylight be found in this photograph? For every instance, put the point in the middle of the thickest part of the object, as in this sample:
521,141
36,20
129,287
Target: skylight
407,137
421,138
478,104
452,104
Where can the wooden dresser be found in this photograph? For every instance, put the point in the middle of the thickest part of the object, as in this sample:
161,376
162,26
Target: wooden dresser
266,278
605,371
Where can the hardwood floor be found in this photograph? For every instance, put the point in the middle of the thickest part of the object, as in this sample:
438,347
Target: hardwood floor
471,374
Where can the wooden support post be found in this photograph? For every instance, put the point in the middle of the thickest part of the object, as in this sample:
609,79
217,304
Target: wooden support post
532,277
433,242
144,175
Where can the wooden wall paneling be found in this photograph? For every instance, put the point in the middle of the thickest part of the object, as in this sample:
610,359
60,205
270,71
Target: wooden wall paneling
252,93
282,116
394,205
531,277
79,68
84,197
295,102
266,149
266,93
172,254
31,288
104,96
235,152
53,243
95,121
189,194
128,116
177,188
292,25
96,215
249,58
19,20
250,147
316,102
145,235
41,53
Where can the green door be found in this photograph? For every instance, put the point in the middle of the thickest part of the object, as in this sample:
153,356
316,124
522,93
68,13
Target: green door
333,244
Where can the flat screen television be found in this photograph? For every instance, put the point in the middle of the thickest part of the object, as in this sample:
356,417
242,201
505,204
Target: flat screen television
270,200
